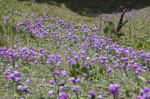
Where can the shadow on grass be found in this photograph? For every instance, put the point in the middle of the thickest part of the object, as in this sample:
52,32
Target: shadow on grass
96,7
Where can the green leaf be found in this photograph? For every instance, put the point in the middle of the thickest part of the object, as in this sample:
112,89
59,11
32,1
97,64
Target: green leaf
102,70
139,45
105,29
78,65
136,91
84,69
127,94
1,29
72,73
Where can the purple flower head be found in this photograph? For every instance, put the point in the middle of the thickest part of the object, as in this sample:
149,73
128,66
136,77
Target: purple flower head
56,72
50,92
40,49
148,81
66,86
117,86
29,74
108,70
19,88
72,79
25,87
78,80
4,64
6,86
134,66
17,79
91,92
58,64
116,66
75,88
146,89
124,58
14,46
35,62
145,67
142,92
17,74
100,97
44,80
28,81
136,72
120,94
139,97
63,96
63,73
51,82
61,87
113,88
16,66
84,74
1,71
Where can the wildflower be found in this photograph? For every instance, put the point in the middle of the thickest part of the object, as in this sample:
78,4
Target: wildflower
51,82
6,86
113,88
56,72
63,96
50,92
91,92
75,88
84,75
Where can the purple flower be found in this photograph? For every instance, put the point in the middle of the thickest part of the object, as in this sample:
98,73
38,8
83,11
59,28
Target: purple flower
61,87
117,86
16,66
100,97
66,86
72,79
108,69
141,92
58,64
6,86
63,73
114,88
78,80
28,81
91,92
19,88
17,79
139,97
1,71
14,46
25,87
50,92
35,62
120,94
56,72
75,88
63,96
148,81
116,66
84,75
51,82
29,74
44,80
146,89
136,72
4,64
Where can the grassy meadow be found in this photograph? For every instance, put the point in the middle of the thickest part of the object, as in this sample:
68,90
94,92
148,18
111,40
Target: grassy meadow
51,49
